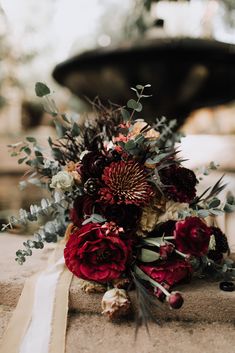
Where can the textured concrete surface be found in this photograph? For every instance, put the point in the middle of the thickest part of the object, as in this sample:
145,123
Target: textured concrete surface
203,301
89,333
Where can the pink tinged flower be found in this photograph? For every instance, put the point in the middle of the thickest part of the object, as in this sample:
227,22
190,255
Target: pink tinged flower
115,303
125,183
166,250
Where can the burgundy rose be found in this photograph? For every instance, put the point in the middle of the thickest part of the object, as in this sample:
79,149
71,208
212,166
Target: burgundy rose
170,272
94,254
82,208
179,183
192,236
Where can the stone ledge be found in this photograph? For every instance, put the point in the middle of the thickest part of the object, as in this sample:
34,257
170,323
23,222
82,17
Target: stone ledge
88,333
203,301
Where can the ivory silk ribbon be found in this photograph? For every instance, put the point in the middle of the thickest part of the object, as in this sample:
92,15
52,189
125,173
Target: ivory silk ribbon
39,321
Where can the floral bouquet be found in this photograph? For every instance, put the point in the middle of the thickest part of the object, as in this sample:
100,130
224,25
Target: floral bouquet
127,206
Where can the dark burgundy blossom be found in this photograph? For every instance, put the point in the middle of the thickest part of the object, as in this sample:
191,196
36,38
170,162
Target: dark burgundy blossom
92,165
82,208
164,229
192,236
221,245
93,254
179,183
126,216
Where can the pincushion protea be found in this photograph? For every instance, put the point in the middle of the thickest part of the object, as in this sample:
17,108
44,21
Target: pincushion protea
125,183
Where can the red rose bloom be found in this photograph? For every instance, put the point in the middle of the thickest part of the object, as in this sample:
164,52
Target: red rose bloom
192,236
171,272
94,254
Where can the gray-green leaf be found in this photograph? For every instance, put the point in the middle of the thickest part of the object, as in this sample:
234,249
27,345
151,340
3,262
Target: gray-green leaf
41,89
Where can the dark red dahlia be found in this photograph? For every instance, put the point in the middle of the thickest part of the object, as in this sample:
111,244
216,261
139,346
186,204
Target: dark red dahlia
192,236
125,183
179,183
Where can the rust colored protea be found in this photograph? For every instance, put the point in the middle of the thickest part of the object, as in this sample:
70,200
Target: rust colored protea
125,183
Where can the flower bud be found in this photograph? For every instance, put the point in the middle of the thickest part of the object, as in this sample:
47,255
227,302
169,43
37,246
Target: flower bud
175,300
115,303
166,250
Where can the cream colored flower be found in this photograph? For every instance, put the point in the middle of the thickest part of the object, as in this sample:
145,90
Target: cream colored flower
148,221
62,180
150,216
172,210
115,303
138,126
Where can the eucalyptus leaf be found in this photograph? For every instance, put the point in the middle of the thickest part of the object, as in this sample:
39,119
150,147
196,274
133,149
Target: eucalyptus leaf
41,89
125,114
203,213
214,203
132,104
21,160
130,145
31,139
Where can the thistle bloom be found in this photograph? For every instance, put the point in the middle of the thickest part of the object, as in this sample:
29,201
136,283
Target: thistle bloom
125,183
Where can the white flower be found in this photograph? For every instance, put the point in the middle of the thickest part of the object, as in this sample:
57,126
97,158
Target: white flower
62,180
115,303
172,211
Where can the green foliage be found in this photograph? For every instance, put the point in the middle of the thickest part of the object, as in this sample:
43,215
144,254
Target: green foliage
147,255
94,218
41,89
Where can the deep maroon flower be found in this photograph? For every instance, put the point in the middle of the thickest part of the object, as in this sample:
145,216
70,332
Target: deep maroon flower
93,254
125,183
82,208
92,165
192,236
126,216
170,272
179,183
221,245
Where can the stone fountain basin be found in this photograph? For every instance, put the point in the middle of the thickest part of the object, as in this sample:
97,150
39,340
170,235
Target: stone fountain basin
185,74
